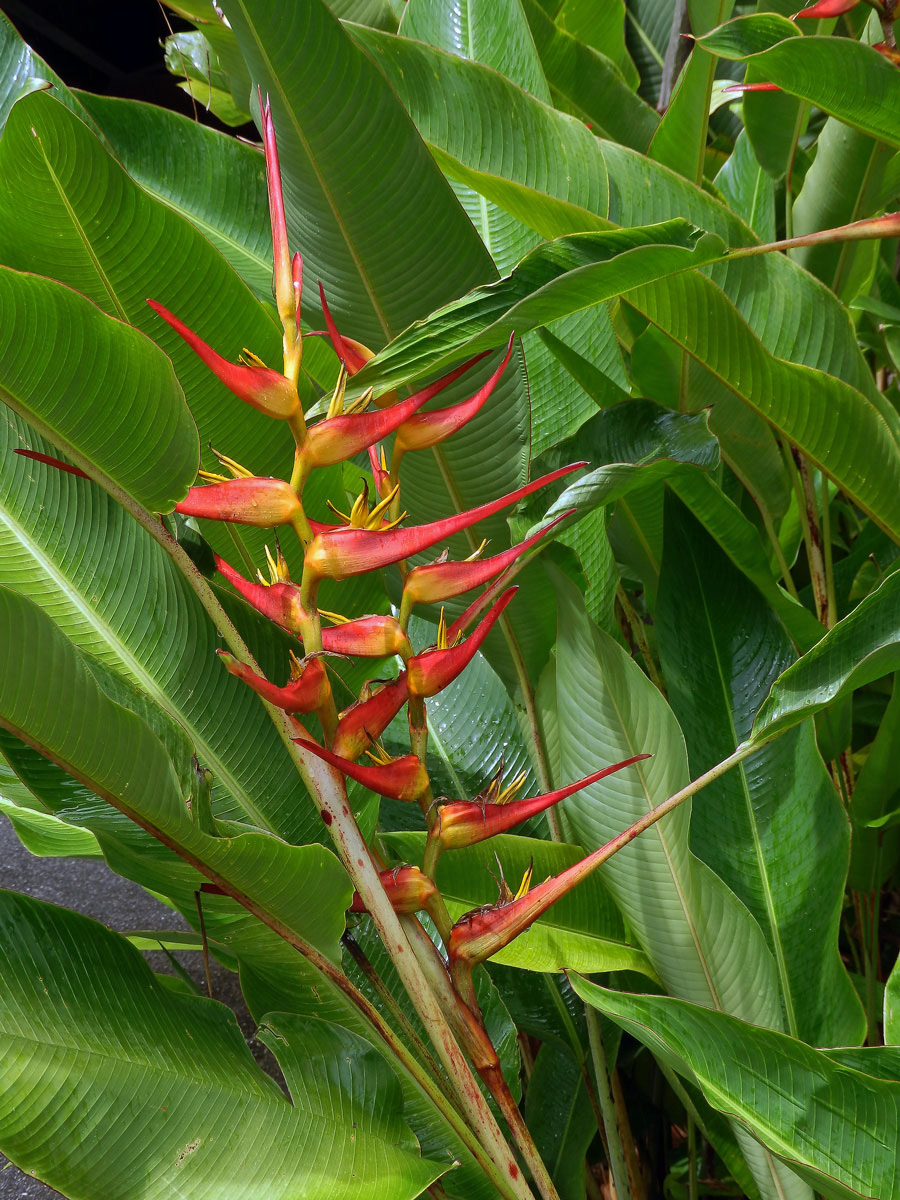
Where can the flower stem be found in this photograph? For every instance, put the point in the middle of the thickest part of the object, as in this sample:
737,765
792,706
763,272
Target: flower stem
614,1148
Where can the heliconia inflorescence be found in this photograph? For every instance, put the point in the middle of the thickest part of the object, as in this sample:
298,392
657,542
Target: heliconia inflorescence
371,537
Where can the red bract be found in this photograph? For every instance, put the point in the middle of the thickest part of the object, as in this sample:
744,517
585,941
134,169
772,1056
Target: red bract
338,438
253,501
827,8
287,285
265,389
363,722
341,553
400,779
427,429
465,822
408,889
53,462
434,582
433,670
305,694
354,355
280,602
367,637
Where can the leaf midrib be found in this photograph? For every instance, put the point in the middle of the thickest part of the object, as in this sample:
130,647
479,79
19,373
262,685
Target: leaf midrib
726,709
138,673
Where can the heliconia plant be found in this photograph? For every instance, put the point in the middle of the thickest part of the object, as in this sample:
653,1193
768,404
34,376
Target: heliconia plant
448,555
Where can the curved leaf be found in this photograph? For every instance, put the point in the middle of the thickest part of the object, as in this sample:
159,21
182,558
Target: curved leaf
700,938
863,646
70,208
97,388
552,281
841,76
114,1086
833,1124
114,592
50,699
783,849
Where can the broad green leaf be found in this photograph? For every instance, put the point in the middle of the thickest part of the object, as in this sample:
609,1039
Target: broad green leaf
782,849
874,801
741,541
216,181
378,223
863,646
892,1007
700,938
584,927
43,834
846,182
775,121
569,181
22,71
835,1125
70,208
553,280
843,77
97,388
662,372
603,28
680,141
51,699
560,1118
833,423
190,57
498,36
115,593
589,84
114,1086
748,189
630,445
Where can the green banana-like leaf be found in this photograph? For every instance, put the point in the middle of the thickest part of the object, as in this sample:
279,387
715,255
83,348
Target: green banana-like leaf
114,1086
97,388
116,594
747,189
498,36
892,1007
70,208
783,850
846,182
49,698
22,71
863,646
216,181
583,926
843,77
41,833
378,223
552,281
819,413
833,1123
560,1118
569,181
589,83
630,445
701,939
741,541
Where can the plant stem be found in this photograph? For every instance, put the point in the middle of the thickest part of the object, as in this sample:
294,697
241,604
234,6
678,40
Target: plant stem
499,1089
378,985
327,790
638,633
807,499
614,1148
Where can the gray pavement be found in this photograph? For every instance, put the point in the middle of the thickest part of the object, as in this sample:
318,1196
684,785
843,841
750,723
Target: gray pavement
89,886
